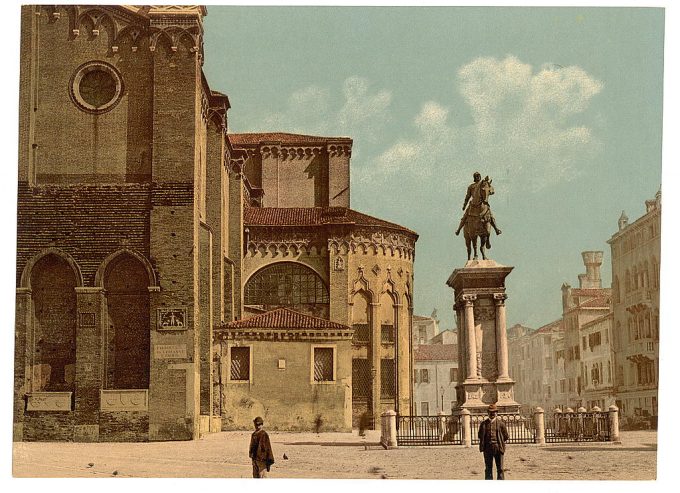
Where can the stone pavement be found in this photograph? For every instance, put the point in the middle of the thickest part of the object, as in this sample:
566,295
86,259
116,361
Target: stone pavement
334,455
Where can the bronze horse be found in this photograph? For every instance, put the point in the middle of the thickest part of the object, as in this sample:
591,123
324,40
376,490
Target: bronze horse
477,220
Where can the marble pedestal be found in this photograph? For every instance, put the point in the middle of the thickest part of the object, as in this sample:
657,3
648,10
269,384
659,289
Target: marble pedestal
479,294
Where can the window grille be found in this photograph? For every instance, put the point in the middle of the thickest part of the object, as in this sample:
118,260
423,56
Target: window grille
387,334
323,364
424,376
361,334
240,363
361,378
387,383
285,283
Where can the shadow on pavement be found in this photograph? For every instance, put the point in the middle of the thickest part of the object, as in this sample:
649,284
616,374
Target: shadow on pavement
650,448
335,444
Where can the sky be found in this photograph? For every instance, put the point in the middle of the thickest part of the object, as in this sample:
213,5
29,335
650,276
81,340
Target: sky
394,81
560,107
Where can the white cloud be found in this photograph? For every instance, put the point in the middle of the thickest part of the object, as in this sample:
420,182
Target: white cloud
523,120
359,112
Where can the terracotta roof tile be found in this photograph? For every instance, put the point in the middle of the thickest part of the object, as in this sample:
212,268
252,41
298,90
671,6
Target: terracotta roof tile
283,138
283,318
436,352
551,327
313,216
600,302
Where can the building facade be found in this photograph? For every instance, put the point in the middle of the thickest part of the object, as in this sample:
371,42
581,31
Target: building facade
533,365
435,376
581,306
636,257
143,226
596,361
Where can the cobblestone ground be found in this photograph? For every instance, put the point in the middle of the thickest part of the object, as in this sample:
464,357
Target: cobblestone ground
334,455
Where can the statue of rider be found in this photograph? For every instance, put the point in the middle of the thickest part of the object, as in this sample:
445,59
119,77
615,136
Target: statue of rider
473,190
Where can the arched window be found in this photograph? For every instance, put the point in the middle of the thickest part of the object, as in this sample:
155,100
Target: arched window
635,277
53,285
288,284
627,281
127,295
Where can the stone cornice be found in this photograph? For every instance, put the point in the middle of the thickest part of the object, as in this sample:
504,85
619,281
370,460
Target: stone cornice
305,335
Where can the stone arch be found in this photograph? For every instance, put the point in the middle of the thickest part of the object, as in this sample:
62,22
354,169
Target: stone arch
25,281
99,275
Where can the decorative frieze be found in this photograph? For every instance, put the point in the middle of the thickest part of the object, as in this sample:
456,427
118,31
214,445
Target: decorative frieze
339,150
124,400
49,401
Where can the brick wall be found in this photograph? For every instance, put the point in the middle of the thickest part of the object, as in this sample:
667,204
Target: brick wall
69,218
72,145
50,426
123,426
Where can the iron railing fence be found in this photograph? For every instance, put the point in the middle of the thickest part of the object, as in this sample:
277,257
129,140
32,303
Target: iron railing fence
578,427
429,430
521,429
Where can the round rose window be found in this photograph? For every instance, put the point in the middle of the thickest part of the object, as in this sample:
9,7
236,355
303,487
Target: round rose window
96,87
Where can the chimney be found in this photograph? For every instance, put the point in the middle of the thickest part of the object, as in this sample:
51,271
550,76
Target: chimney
592,261
623,220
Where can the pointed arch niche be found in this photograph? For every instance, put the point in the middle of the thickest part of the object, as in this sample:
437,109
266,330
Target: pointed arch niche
52,278
126,281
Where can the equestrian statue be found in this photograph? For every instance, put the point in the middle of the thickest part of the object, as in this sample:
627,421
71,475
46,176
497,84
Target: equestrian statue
478,220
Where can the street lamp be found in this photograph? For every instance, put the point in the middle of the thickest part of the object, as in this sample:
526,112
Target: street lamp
442,408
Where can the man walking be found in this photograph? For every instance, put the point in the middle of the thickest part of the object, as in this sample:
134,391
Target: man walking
260,450
492,437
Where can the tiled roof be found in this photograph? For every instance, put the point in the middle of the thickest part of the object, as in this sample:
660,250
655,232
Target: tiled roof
435,352
313,216
283,138
551,327
420,317
283,318
600,302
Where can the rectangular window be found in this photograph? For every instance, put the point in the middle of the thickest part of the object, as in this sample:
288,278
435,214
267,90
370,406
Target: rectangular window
361,378
453,375
387,334
424,408
387,379
416,376
240,364
361,333
425,376
323,364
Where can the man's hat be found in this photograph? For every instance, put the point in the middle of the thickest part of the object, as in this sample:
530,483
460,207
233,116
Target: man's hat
493,408
258,421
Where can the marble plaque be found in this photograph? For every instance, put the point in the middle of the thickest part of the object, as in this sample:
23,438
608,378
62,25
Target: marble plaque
49,401
172,318
170,351
124,400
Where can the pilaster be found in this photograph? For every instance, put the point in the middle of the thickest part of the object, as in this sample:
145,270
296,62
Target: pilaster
90,329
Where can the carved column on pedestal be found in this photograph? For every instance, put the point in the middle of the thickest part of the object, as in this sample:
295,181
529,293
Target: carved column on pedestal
501,336
470,341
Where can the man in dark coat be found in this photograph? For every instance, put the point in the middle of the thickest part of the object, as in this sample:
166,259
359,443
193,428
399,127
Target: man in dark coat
492,437
260,450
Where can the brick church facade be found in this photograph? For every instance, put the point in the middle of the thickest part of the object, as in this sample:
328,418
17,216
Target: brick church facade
148,235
